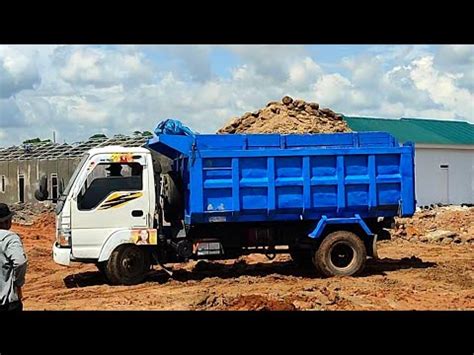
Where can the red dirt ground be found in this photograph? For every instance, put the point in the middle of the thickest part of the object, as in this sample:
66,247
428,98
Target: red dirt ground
409,276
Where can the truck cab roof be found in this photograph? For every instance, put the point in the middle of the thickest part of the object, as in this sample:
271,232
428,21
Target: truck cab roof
118,149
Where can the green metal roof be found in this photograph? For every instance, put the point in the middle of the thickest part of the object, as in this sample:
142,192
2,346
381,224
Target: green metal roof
418,130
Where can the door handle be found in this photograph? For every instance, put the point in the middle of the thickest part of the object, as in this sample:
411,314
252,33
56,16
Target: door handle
137,213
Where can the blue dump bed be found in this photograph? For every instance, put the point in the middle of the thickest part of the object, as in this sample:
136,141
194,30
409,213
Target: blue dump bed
272,177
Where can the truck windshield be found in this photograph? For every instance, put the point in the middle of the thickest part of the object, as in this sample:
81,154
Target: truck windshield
62,198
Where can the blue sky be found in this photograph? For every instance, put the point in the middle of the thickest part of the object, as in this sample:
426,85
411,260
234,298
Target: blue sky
77,91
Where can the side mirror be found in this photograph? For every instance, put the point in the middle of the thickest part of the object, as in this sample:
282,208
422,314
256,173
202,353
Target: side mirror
42,193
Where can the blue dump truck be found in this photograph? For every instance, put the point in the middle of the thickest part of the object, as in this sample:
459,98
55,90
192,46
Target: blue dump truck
323,198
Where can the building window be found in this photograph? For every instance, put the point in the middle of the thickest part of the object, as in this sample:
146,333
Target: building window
2,184
21,188
54,186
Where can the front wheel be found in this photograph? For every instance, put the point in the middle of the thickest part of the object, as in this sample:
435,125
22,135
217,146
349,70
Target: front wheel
340,253
101,266
127,265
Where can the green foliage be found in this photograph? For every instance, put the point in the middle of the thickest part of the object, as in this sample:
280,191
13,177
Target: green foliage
98,135
36,141
142,134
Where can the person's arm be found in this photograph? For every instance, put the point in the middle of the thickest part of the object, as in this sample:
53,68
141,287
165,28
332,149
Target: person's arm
14,252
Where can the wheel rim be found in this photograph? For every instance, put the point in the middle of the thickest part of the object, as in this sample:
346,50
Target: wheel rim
132,261
342,255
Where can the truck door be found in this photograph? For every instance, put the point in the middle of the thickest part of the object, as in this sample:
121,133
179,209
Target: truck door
112,197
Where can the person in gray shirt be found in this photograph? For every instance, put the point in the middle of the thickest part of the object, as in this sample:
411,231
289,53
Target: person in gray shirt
13,264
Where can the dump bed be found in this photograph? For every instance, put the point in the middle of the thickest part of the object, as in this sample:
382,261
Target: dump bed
270,177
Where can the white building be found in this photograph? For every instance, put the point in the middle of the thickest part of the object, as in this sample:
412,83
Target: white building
444,155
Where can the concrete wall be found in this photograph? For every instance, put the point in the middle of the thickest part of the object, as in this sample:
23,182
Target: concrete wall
454,185
8,196
32,171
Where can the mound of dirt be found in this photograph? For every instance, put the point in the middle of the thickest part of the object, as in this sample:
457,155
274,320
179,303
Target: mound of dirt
446,225
259,303
288,116
249,302
27,213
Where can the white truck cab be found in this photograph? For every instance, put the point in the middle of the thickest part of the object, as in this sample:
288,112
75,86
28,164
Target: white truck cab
108,202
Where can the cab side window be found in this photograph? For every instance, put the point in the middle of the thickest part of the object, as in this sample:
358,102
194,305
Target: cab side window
107,178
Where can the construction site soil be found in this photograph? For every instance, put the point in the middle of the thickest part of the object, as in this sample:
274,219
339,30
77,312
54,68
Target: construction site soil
410,275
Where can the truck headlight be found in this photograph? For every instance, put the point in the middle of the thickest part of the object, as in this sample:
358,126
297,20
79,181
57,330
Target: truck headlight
64,238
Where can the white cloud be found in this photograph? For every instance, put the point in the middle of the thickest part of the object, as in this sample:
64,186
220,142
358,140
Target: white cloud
393,110
398,88
430,113
195,60
17,72
399,54
455,55
442,87
270,61
331,89
10,115
457,59
102,67
365,70
83,90
304,72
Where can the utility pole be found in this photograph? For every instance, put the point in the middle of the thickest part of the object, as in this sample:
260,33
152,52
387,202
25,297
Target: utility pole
54,137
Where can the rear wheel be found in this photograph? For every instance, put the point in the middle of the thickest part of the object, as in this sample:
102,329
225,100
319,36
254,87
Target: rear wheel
340,253
127,265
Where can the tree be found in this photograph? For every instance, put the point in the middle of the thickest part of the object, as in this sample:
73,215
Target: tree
142,134
98,135
36,141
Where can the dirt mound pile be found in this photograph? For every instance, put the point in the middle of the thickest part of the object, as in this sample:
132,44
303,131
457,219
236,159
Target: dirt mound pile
446,225
259,303
46,221
27,213
249,302
288,116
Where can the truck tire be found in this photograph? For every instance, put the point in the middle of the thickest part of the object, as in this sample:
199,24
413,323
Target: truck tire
127,265
173,204
101,267
301,257
340,253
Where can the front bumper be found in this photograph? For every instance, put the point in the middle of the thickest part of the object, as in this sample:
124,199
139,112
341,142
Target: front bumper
61,256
